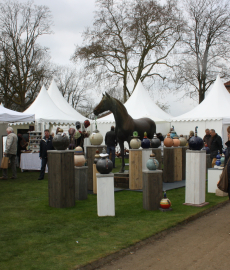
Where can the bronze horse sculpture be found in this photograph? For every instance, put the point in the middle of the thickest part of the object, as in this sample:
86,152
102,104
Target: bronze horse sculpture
125,124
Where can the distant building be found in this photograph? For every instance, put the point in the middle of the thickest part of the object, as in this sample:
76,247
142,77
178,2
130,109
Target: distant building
227,85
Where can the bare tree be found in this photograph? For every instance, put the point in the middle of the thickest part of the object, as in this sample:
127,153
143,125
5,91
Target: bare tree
23,62
129,39
205,50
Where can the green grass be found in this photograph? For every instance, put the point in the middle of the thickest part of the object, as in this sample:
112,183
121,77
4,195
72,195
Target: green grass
36,236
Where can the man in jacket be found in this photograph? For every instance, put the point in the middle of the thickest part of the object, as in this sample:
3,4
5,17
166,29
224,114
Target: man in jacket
215,145
11,153
45,144
111,142
207,138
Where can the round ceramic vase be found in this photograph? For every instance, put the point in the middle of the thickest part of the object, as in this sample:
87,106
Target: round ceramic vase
60,141
155,142
218,157
183,141
145,143
104,164
206,148
176,142
96,157
165,203
96,138
222,160
168,142
135,143
196,143
152,164
79,159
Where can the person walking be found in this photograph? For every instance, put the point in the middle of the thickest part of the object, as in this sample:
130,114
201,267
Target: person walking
207,138
215,145
227,155
11,153
45,144
111,142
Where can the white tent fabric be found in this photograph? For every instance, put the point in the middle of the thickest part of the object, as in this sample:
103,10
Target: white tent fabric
11,116
62,104
213,113
140,105
47,112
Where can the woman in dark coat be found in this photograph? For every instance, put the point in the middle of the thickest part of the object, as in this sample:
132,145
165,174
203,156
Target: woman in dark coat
227,155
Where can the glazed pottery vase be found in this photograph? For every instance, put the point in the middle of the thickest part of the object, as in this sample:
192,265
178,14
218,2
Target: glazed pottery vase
165,202
224,151
195,142
60,140
155,142
145,143
168,142
206,148
96,157
79,158
176,142
173,133
96,138
183,141
218,157
104,164
222,160
135,143
152,164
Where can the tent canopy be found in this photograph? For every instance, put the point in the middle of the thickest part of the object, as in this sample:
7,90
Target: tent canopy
46,111
62,104
214,107
10,116
140,105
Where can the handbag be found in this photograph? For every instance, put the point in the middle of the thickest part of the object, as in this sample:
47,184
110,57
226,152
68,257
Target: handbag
5,163
223,182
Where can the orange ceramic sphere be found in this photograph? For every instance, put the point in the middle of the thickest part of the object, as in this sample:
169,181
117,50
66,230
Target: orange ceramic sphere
168,142
165,203
176,142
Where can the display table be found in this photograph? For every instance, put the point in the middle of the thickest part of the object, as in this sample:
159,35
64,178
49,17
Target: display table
213,178
31,161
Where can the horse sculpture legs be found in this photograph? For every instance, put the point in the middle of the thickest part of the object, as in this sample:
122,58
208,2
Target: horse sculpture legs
122,157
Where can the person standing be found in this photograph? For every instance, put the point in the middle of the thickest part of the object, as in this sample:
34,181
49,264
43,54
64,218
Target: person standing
45,144
207,138
227,155
111,142
215,145
11,153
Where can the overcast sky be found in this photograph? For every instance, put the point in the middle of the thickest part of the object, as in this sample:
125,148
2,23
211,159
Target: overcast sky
70,18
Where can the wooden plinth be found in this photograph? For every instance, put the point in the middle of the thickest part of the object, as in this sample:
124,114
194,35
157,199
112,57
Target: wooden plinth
91,151
184,149
121,180
157,152
135,169
94,179
81,180
61,184
152,189
172,164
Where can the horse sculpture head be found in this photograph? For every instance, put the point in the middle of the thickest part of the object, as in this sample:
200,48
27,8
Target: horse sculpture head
104,105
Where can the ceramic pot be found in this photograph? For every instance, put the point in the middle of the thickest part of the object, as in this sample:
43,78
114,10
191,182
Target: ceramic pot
60,140
183,141
173,133
222,160
196,143
96,157
145,143
176,142
168,142
96,138
152,164
104,164
165,202
206,148
218,157
79,159
155,142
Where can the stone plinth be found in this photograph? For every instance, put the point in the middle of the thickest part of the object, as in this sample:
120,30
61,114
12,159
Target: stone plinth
213,178
91,151
61,182
195,177
152,189
135,169
81,181
157,152
221,193
172,164
105,195
145,157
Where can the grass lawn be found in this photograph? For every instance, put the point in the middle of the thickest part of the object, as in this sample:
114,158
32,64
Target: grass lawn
36,236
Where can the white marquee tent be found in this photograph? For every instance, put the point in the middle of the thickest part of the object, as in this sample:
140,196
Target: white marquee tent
139,105
62,104
212,112
11,116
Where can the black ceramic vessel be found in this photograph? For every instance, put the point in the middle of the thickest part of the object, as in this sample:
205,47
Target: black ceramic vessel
196,143
104,164
60,141
155,142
